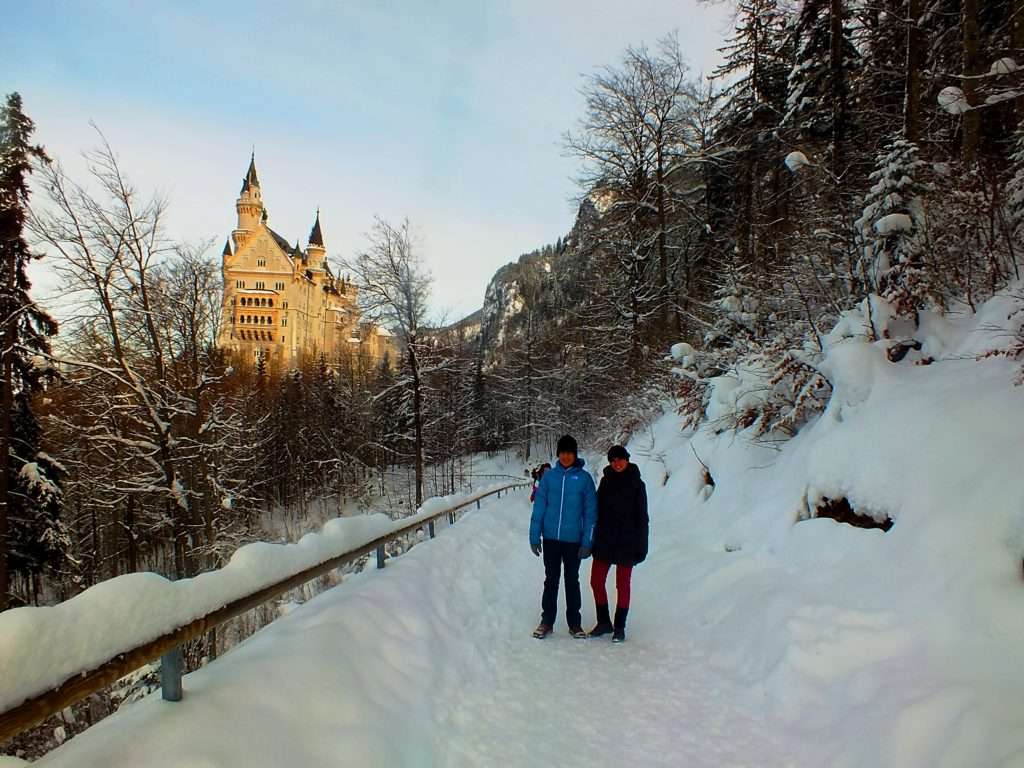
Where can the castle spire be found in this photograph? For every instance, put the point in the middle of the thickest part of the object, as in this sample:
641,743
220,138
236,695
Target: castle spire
251,179
249,206
227,248
316,237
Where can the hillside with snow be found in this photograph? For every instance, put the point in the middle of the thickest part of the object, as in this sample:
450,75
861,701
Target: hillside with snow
760,634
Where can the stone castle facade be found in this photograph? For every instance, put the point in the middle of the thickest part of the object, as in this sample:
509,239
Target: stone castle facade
283,303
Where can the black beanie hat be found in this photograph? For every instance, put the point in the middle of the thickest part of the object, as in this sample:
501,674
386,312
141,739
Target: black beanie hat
618,452
567,444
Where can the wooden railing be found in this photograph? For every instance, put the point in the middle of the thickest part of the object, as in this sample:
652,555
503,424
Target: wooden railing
169,646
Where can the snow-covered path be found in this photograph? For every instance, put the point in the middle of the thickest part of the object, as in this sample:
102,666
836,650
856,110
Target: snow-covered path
430,662
652,701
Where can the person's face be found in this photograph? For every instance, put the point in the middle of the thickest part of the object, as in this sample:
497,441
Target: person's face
566,459
619,465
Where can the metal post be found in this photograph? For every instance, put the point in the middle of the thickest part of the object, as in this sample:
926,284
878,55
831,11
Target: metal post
478,503
380,556
430,528
172,664
451,518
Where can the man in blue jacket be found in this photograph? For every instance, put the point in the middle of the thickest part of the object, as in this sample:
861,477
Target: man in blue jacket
564,515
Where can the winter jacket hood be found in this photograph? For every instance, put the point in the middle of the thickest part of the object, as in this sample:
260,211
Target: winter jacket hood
565,507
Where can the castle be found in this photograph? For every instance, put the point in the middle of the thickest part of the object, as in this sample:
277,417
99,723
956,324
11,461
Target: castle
282,303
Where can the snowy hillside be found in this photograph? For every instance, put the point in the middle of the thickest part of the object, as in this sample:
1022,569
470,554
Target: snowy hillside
757,636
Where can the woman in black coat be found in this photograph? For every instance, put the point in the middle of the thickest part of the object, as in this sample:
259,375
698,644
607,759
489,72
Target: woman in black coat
620,538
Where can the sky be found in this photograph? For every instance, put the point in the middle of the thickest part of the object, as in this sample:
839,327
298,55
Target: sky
449,113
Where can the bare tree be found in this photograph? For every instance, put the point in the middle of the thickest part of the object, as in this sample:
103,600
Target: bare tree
394,287
151,309
630,140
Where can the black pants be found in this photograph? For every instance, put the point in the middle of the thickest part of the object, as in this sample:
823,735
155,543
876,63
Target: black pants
557,554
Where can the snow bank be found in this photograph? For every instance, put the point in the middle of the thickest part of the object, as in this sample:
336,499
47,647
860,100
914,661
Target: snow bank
126,612
885,649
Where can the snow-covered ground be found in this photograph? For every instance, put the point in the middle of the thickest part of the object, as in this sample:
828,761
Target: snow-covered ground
756,637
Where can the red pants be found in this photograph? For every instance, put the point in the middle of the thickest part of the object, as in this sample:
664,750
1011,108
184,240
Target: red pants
598,576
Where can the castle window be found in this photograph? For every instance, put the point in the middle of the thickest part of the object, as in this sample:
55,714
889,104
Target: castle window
240,283
284,321
261,262
278,286
284,305
270,302
259,286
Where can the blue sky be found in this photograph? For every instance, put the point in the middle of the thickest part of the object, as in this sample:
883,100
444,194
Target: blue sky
450,113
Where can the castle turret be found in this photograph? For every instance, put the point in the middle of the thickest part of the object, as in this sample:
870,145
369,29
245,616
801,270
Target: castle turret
249,206
315,250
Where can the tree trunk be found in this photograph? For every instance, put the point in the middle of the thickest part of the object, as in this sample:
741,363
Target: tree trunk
417,416
7,403
912,83
972,119
129,523
662,237
838,88
1017,41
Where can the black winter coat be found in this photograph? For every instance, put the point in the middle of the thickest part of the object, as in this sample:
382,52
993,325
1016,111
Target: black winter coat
620,536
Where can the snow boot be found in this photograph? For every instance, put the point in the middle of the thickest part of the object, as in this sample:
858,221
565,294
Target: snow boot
619,635
577,633
604,622
542,630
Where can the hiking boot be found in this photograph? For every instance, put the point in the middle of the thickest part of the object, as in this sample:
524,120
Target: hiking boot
577,633
619,633
604,622
542,631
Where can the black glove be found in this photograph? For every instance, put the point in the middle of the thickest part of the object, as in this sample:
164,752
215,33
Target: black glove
584,552
535,548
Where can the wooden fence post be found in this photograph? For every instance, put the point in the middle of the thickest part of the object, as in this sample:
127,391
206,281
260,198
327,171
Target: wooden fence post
380,556
430,528
172,665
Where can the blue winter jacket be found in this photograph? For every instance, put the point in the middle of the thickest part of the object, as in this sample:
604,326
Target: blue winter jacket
565,508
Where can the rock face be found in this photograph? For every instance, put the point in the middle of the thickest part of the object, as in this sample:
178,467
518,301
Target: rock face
536,291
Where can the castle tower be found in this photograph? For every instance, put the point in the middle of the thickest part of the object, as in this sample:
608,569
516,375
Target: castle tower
315,250
249,206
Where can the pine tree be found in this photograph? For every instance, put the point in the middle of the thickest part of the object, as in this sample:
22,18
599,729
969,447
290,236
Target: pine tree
819,103
893,230
1015,192
29,484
